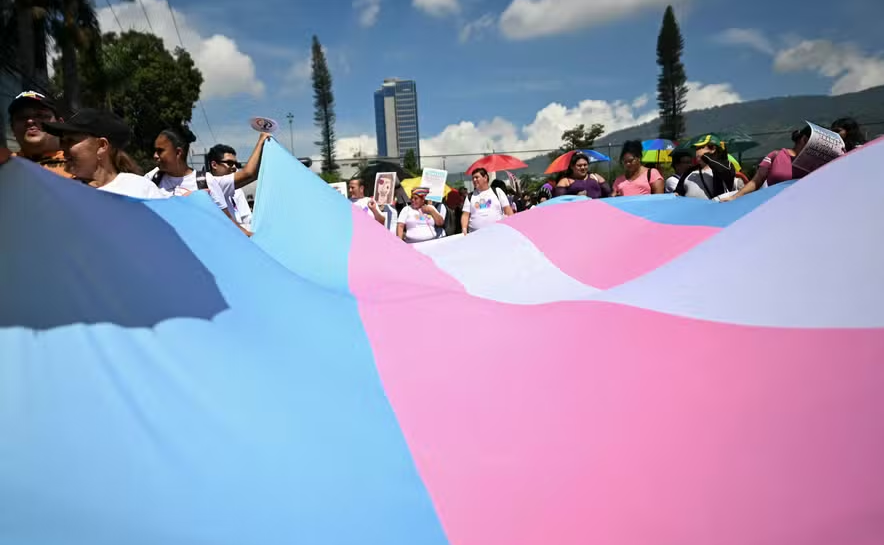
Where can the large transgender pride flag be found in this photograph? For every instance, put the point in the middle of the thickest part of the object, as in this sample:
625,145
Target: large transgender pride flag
657,371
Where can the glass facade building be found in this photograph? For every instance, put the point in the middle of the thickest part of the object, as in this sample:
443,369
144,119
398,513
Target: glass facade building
396,120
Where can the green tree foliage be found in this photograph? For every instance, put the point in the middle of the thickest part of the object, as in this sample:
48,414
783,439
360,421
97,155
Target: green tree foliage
26,27
77,36
139,80
409,163
578,138
324,104
672,90
331,177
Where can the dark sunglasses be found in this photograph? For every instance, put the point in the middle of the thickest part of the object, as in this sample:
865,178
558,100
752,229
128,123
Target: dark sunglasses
230,163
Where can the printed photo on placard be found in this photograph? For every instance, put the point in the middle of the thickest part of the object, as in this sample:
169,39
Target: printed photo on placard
340,187
385,188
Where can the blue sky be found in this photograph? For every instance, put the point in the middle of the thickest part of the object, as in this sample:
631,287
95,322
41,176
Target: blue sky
503,74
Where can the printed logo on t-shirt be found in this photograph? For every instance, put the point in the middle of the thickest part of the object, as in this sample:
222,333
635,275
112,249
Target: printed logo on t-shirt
482,204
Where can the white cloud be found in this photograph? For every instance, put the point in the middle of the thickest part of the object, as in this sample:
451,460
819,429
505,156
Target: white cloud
545,131
368,11
702,96
525,19
747,37
641,101
226,70
477,27
298,75
850,67
437,8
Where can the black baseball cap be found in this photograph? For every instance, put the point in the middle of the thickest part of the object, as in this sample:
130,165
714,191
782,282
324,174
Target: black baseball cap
93,122
31,98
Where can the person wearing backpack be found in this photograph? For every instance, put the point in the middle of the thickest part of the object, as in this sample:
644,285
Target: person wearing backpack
637,179
713,176
485,205
174,177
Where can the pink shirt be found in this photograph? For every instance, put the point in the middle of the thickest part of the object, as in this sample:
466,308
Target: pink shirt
640,186
779,165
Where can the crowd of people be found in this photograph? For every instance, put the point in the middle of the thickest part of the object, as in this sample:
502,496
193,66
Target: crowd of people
89,147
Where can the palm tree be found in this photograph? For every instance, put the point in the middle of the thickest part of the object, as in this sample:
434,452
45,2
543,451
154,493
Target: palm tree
75,30
73,27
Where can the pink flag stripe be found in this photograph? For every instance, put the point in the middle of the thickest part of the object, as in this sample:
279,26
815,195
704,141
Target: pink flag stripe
614,246
669,431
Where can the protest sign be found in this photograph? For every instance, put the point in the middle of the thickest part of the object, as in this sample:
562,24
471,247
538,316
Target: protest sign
434,180
385,188
340,187
822,146
263,124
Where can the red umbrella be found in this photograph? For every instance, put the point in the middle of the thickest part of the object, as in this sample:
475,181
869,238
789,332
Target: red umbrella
562,161
493,163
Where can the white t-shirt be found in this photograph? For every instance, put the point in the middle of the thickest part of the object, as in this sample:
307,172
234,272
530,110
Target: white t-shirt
671,183
363,204
485,208
242,210
180,186
133,185
419,227
388,211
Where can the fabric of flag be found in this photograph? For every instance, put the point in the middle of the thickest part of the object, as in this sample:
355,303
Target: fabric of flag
681,372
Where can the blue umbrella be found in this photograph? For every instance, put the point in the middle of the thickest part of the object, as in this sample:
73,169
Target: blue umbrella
658,144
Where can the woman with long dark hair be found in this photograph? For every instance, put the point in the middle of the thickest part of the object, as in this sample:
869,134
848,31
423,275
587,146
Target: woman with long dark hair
776,167
637,179
578,181
174,177
850,132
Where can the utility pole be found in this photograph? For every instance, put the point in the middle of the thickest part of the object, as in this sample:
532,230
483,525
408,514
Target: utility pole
291,118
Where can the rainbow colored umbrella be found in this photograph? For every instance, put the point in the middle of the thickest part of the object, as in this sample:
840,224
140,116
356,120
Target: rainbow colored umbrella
657,151
560,164
297,395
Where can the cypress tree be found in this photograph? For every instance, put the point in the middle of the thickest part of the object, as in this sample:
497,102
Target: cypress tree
324,104
672,90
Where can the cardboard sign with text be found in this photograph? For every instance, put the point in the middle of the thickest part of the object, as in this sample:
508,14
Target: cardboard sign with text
822,146
434,180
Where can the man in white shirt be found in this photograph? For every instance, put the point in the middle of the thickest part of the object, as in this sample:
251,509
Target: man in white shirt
232,176
682,161
485,206
221,188
356,192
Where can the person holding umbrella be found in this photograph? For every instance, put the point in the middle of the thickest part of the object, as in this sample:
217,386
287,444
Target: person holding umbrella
578,181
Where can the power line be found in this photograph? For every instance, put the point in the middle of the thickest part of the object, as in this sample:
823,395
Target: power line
114,13
181,42
144,9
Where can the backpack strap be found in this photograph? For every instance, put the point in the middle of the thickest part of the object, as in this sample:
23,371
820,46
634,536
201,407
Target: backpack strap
158,177
201,180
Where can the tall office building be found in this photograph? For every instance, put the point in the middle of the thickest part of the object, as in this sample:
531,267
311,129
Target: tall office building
395,110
